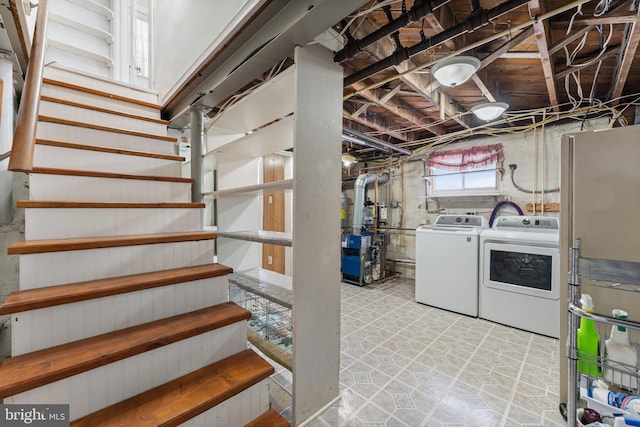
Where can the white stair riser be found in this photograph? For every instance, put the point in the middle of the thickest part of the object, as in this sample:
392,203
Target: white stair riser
69,158
108,86
109,384
236,411
78,135
95,222
46,327
99,101
58,268
78,114
94,189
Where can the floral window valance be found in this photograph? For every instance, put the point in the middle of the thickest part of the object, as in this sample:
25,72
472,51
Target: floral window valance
466,158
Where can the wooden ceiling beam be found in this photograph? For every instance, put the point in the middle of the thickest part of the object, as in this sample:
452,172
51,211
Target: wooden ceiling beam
515,41
374,124
618,16
595,57
540,29
399,108
393,92
570,38
630,43
418,82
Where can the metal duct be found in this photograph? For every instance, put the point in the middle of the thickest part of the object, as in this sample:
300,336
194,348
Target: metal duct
374,141
365,143
360,188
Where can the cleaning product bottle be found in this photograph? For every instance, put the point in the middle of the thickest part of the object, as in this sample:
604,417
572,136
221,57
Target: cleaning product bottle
588,342
620,354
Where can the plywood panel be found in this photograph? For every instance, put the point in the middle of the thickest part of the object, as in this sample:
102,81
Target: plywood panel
273,219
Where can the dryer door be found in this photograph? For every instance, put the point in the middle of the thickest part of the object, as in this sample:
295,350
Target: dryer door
529,270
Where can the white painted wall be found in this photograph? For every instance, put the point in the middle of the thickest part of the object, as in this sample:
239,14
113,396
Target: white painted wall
518,149
195,30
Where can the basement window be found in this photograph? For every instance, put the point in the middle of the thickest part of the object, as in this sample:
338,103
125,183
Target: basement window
470,171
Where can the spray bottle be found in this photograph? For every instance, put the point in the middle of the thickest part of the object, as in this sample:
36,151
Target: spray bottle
588,342
620,354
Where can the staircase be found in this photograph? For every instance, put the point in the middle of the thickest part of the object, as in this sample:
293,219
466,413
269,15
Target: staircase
121,312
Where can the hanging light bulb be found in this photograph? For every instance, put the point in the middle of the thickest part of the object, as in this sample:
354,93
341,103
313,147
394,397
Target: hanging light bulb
455,70
348,160
489,110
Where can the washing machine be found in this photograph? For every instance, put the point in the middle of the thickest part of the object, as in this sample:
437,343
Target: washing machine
447,263
519,274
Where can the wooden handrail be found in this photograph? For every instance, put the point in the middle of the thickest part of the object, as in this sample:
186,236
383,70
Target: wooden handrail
24,138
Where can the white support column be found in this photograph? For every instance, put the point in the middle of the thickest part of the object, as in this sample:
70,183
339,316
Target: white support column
6,117
316,232
197,142
6,139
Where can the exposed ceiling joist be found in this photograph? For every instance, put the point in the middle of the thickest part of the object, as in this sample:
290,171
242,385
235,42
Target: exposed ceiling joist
417,82
591,60
570,39
383,128
603,20
540,29
393,92
515,41
630,43
399,108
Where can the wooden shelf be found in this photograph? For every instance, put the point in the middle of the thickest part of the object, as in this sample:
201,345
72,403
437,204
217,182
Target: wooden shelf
284,185
268,284
260,236
271,101
278,136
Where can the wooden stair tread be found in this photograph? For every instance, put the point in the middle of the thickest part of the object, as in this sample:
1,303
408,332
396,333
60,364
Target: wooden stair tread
114,205
31,370
33,299
179,400
48,119
101,110
61,245
76,172
271,418
99,92
108,150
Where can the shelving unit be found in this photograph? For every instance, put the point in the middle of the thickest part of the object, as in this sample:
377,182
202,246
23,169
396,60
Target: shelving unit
614,276
296,115
598,243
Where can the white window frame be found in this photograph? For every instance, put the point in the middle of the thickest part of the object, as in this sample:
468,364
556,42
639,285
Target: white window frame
495,167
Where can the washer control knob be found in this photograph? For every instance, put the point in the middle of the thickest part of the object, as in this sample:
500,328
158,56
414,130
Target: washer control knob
526,221
458,219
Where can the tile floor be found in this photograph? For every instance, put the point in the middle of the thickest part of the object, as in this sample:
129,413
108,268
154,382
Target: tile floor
408,364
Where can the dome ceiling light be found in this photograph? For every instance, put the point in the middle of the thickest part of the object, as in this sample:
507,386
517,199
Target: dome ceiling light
456,70
489,110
